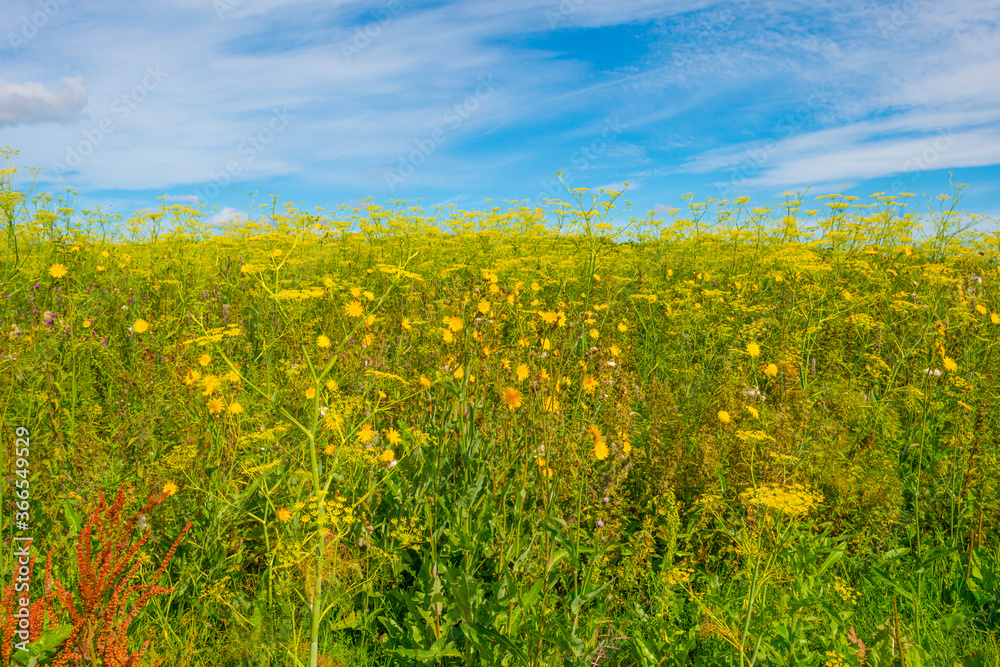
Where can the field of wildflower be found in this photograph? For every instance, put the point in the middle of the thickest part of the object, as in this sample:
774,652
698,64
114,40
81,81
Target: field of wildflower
387,436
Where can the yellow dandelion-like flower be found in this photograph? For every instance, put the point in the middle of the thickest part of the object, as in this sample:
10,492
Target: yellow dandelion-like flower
388,455
994,318
454,323
459,373
323,341
425,381
393,436
622,327
600,450
57,270
86,324
328,281
370,320
140,326
368,295
540,461
331,385
215,406
447,336
753,412
354,309
406,323
512,397
753,349
204,360
594,333
284,515
589,384
724,417
310,393
192,377
235,408
771,370
551,404
523,372
614,351
366,433
484,307
549,316
170,488
356,292
981,309
233,376
950,365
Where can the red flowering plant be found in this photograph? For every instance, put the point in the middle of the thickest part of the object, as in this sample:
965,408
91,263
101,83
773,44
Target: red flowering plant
108,600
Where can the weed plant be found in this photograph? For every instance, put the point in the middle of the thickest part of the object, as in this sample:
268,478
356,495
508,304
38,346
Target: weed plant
735,436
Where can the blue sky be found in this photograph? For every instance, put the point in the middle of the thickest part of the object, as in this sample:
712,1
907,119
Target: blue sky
325,103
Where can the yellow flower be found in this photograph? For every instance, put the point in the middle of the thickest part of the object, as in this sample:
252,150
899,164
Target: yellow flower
388,455
454,323
170,488
484,307
140,326
447,336
328,281
512,397
950,365
723,416
549,317
369,295
331,385
356,292
86,324
310,393
424,381
753,411
981,309
354,309
284,515
589,384
459,373
600,450
753,349
204,360
57,270
393,436
366,433
323,341
235,408
594,333
995,318
771,370
622,327
551,404
614,351
215,406
406,323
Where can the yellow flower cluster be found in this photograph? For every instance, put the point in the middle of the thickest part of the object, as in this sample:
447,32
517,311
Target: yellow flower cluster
795,499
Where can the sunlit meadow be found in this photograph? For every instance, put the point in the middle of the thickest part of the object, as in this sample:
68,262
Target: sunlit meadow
391,436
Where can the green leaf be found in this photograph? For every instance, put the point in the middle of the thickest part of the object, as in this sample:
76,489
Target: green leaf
584,598
893,554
